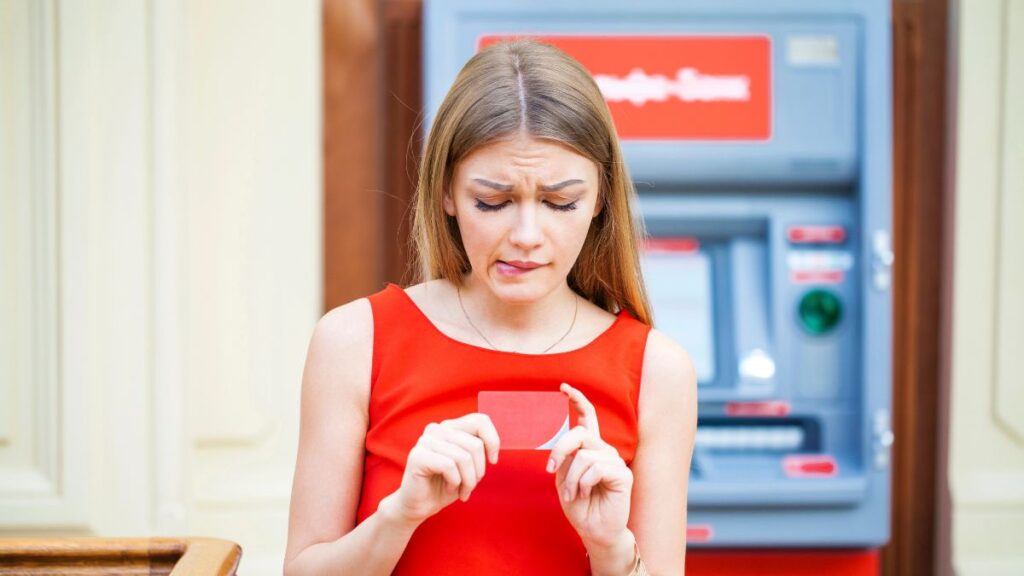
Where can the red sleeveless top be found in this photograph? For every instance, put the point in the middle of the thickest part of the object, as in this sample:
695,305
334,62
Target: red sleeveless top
513,522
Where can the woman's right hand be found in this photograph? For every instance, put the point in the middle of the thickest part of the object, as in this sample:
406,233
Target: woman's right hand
447,462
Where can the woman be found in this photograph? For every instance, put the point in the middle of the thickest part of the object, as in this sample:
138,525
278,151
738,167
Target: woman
528,252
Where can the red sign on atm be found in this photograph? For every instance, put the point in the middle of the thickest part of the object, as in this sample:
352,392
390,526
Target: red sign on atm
678,87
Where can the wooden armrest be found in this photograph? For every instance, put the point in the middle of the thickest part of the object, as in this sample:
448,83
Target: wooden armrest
120,556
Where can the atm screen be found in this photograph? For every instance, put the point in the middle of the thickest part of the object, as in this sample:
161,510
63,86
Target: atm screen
679,288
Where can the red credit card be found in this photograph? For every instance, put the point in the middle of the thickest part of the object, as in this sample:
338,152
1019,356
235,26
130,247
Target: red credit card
526,420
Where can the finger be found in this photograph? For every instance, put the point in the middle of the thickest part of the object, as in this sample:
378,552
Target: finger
611,474
573,440
584,409
562,471
428,464
471,444
593,476
583,461
480,425
463,461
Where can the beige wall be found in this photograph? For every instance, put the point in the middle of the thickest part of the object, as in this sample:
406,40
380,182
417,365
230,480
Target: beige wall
987,396
159,265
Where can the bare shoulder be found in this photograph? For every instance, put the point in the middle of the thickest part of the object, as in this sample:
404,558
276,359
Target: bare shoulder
429,287
345,329
669,381
341,353
663,357
429,295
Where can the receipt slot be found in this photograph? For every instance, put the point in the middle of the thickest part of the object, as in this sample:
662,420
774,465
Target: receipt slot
758,136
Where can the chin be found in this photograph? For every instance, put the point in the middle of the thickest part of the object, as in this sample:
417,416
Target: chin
519,291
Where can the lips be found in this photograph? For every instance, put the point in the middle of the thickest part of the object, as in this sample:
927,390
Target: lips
515,268
521,265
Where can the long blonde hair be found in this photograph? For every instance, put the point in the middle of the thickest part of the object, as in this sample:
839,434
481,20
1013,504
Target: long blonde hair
524,85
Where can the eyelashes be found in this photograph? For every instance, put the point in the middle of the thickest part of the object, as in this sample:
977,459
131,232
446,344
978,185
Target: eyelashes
485,207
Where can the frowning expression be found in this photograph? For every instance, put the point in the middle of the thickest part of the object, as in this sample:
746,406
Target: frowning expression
524,206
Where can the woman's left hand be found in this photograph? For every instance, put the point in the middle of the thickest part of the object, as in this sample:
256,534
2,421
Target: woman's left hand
594,484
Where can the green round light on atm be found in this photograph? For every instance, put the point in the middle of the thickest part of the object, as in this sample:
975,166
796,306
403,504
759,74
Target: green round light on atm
820,311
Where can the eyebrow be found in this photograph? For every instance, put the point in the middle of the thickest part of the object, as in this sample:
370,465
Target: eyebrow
494,185
508,187
560,185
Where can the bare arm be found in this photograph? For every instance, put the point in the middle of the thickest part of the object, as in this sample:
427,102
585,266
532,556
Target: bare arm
329,467
661,466
447,462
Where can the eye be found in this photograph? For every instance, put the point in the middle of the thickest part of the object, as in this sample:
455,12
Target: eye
485,207
562,207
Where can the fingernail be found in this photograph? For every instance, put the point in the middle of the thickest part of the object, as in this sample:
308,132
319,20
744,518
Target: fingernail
551,465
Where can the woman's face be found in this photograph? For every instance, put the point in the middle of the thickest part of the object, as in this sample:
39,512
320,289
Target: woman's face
524,206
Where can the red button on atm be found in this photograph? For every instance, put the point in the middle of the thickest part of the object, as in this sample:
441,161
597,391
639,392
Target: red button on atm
678,245
699,533
767,408
816,234
816,277
810,466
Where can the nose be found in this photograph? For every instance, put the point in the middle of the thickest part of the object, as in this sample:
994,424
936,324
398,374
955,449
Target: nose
526,232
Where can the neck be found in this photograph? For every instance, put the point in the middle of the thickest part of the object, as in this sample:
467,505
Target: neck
520,326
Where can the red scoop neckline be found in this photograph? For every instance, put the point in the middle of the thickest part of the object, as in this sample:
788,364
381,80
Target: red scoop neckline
408,299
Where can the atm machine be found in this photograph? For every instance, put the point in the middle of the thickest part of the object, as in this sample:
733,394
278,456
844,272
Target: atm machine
758,134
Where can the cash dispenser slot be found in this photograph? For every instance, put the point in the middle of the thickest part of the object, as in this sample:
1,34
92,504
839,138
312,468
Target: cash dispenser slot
746,461
759,435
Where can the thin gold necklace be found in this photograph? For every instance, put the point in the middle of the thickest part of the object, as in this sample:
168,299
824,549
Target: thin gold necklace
574,312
